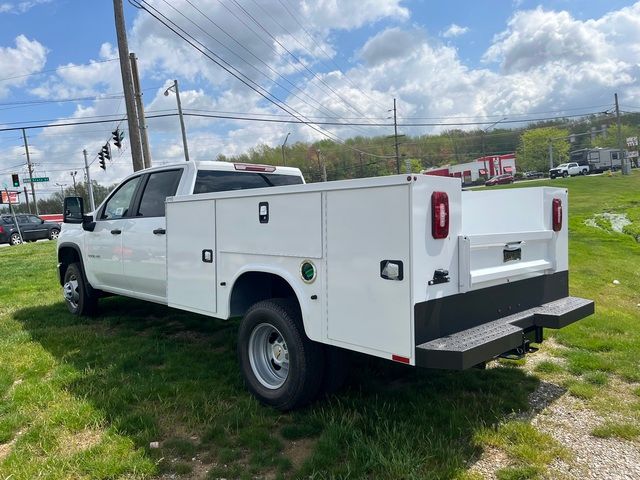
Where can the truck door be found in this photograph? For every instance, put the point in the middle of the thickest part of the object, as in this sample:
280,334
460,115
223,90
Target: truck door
144,252
104,244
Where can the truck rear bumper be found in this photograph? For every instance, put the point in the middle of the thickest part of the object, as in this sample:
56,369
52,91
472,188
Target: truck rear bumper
475,345
460,331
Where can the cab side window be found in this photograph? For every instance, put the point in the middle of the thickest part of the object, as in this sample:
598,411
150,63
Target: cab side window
160,185
35,220
118,205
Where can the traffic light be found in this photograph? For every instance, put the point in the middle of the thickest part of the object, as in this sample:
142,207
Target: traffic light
106,151
15,179
117,137
101,161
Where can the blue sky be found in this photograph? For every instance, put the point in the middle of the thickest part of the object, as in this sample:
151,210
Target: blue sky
443,59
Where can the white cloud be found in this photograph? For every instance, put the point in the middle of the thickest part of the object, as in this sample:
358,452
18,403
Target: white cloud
391,44
454,31
537,37
20,7
28,57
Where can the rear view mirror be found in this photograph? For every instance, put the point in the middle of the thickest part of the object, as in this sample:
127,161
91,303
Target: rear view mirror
73,211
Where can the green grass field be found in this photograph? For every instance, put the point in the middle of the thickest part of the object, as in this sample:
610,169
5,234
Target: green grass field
84,398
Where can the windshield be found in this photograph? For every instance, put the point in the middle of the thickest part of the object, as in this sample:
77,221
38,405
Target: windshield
563,165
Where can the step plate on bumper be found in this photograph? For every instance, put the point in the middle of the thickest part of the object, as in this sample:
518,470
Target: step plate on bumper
478,344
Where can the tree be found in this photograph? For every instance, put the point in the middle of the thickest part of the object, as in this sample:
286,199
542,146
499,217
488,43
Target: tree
533,150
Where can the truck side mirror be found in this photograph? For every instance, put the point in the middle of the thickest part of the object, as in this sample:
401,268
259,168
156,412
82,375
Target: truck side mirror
73,211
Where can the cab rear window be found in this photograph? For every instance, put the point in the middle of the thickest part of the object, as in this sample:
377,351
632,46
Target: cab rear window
208,181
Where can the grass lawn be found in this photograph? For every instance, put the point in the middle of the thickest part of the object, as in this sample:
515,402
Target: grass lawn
85,398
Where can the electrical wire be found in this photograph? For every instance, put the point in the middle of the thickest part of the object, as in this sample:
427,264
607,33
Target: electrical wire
238,75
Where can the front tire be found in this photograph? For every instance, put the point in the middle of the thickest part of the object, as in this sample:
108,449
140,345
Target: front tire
565,174
281,366
81,299
15,239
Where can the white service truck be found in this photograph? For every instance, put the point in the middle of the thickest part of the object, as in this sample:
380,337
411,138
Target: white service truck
409,268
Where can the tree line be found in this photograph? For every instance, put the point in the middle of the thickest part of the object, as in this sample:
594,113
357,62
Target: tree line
363,156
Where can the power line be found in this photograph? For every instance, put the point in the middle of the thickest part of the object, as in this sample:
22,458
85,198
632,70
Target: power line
320,106
237,74
295,18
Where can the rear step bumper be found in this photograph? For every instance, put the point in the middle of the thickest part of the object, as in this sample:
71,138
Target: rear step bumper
475,345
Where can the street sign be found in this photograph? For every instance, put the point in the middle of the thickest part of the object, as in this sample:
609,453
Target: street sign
633,153
15,199
35,179
632,141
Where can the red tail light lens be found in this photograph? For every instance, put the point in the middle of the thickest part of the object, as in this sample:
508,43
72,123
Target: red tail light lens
439,215
556,208
1,229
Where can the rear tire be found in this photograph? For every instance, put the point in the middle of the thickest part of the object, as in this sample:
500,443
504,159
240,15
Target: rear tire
53,234
81,299
15,239
282,368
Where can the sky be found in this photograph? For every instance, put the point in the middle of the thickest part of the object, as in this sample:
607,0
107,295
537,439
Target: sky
446,62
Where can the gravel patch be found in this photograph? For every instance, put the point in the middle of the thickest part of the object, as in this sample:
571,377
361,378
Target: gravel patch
568,420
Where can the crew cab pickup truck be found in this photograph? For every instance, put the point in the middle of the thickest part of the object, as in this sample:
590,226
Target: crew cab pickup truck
407,268
568,169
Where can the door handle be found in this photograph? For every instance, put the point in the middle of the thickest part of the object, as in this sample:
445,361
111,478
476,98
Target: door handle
159,231
116,231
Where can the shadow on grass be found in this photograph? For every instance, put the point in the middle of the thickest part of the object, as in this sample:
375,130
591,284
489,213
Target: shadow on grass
159,374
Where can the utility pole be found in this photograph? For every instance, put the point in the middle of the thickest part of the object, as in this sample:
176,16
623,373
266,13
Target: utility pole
146,153
323,165
61,185
13,211
30,167
184,131
90,187
623,161
26,198
284,159
127,84
550,155
395,135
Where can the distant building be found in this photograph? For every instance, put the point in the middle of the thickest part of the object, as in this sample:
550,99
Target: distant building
480,168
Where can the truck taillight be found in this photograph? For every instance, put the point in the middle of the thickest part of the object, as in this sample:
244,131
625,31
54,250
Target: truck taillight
556,212
439,215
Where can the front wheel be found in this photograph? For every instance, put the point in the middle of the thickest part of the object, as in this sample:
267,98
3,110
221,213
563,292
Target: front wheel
53,234
81,299
281,366
15,239
565,174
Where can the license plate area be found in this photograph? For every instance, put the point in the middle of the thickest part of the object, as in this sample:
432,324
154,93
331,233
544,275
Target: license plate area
512,254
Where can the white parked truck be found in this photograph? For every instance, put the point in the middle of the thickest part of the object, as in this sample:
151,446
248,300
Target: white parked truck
408,267
568,169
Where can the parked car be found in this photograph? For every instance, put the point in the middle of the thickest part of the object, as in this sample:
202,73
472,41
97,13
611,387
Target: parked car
532,175
32,228
499,180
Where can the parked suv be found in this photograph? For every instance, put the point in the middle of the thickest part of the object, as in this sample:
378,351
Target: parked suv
32,228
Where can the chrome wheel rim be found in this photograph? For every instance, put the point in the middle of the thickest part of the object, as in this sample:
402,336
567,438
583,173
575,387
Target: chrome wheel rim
70,291
15,239
54,234
268,356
